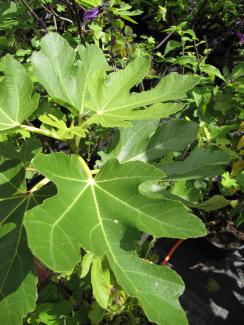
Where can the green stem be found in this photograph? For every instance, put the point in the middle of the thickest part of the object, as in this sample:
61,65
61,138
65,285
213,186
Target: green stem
95,171
39,185
47,133
150,246
85,168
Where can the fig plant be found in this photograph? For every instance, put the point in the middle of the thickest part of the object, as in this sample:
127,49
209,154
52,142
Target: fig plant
52,205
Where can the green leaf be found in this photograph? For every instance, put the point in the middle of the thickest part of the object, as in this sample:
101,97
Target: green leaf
52,313
90,3
27,150
96,313
105,215
145,142
85,264
85,87
214,203
199,164
100,279
64,77
58,127
114,102
16,100
17,275
211,70
156,191
132,142
172,45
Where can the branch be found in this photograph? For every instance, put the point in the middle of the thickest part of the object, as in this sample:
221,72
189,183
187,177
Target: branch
164,40
34,14
52,12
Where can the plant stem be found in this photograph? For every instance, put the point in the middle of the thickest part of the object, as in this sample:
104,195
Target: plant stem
39,185
171,252
95,171
33,129
85,167
150,246
164,40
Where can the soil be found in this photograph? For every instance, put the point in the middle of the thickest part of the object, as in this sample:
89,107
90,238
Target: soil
214,292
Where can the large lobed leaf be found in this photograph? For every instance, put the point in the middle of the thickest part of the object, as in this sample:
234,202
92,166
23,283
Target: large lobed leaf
105,215
65,78
16,100
84,86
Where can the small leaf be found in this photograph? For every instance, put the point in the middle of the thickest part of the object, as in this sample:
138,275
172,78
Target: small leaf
100,279
211,70
86,264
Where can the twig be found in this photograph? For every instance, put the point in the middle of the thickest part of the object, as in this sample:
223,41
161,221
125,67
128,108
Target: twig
171,252
52,12
77,16
34,14
164,40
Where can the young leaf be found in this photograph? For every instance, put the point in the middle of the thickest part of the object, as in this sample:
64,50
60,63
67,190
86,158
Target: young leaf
100,279
85,264
16,100
102,215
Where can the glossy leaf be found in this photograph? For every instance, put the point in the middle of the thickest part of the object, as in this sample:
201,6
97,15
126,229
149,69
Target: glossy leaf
16,100
104,216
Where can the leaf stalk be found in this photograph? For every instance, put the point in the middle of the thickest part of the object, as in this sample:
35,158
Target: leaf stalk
85,167
47,133
39,185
